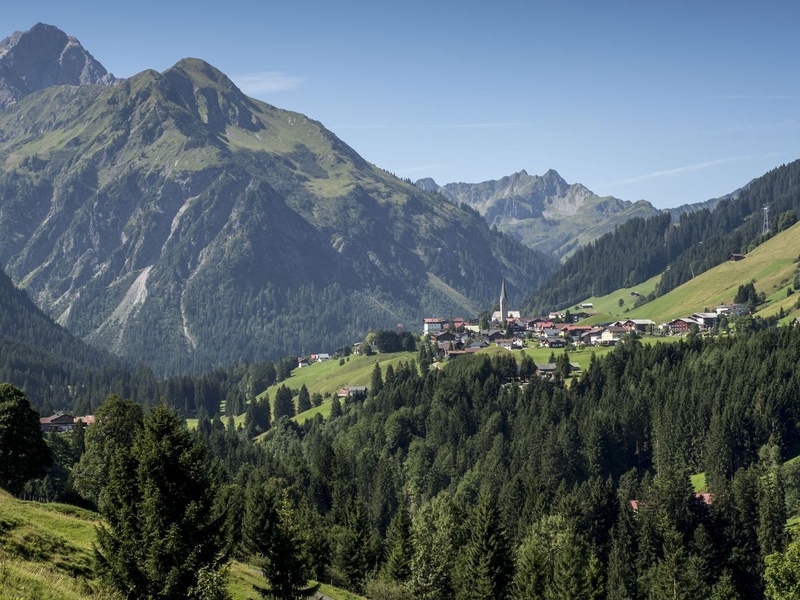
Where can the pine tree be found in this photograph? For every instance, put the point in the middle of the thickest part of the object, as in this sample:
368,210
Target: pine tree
485,569
271,534
355,551
376,382
398,541
160,527
336,407
284,403
303,400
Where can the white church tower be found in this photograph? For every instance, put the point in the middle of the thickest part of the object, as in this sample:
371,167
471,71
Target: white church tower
503,302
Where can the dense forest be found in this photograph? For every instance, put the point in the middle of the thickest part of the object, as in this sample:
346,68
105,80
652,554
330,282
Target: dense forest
469,482
642,248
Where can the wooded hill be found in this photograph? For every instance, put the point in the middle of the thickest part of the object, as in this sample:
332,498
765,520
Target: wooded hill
643,248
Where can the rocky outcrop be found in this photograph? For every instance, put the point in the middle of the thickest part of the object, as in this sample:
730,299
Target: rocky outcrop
42,57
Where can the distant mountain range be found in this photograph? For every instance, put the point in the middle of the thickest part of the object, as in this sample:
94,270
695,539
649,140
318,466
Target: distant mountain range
546,213
173,220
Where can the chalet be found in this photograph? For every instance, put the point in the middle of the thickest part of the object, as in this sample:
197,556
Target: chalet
708,319
546,370
507,343
58,422
612,334
555,343
736,257
587,305
491,334
322,357
681,325
302,361
575,368
639,325
433,325
555,315
444,336
732,309
595,335
349,391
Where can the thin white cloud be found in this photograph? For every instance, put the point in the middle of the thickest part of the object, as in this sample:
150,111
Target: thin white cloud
688,169
266,82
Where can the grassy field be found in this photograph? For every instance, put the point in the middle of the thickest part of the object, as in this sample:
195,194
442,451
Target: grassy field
771,265
607,308
329,377
46,554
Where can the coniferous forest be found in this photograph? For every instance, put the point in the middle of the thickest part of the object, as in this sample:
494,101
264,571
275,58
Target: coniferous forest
466,482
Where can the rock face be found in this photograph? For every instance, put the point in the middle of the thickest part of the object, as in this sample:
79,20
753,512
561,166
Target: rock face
545,213
44,56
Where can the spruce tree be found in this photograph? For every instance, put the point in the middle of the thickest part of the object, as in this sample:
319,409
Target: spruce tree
303,400
376,382
485,572
400,550
160,529
284,403
271,535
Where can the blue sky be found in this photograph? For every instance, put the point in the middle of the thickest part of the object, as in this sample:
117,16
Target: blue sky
672,102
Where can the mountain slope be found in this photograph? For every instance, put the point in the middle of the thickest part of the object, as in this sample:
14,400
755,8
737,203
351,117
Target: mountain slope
545,213
642,248
172,219
41,57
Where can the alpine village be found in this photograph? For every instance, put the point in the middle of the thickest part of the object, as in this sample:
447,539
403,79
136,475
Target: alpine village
241,361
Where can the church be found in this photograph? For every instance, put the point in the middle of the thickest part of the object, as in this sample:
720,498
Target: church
504,314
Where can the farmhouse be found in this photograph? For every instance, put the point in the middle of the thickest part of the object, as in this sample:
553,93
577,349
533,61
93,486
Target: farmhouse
349,391
612,334
59,422
681,325
433,325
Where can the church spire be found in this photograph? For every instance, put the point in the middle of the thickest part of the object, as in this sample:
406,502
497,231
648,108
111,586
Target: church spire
503,302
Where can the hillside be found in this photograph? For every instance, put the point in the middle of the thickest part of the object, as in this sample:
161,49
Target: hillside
772,266
643,248
172,219
47,554
545,213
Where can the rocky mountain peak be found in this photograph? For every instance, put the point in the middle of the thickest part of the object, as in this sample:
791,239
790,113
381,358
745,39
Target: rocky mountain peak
44,56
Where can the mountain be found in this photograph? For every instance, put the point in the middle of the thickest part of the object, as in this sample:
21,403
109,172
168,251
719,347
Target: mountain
173,220
545,213
44,56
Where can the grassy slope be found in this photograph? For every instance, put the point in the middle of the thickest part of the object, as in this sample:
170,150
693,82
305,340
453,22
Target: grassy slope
329,376
46,553
770,265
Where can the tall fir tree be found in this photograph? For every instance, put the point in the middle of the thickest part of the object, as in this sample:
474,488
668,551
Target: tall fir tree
160,528
399,547
485,567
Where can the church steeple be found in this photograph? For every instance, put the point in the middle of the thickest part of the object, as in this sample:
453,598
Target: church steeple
503,302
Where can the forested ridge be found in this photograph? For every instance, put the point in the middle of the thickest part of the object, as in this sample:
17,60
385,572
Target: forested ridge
642,248
467,483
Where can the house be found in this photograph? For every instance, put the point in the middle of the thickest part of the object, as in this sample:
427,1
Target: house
595,335
681,325
732,309
322,357
492,334
546,370
612,334
587,305
706,318
575,368
349,391
433,325
302,361
58,422
639,325
444,336
736,257
507,343
555,343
